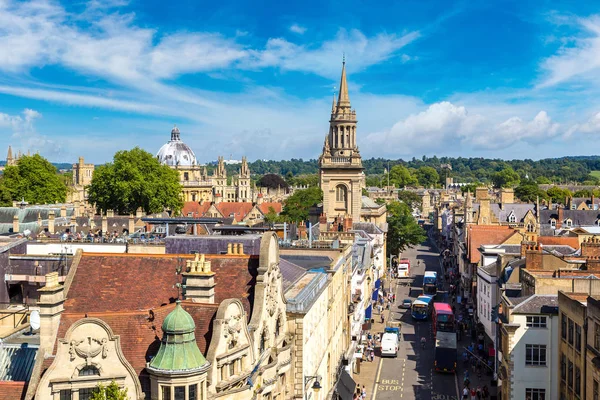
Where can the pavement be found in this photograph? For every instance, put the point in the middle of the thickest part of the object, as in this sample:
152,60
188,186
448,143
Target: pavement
410,375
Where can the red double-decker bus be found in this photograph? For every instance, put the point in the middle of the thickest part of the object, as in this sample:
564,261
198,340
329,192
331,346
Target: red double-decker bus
443,318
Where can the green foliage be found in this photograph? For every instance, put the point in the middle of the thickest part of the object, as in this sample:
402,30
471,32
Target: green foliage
135,179
110,392
528,191
298,205
400,176
304,180
470,187
36,180
427,176
542,180
558,195
403,229
411,198
505,178
5,196
271,217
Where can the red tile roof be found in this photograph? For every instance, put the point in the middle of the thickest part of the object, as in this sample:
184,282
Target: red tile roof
264,207
194,208
485,234
559,240
237,210
10,390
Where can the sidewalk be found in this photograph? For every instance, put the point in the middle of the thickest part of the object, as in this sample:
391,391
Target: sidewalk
369,370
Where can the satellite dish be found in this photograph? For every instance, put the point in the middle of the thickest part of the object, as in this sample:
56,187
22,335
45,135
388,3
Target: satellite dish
34,320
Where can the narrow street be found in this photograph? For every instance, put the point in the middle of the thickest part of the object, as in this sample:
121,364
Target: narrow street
411,375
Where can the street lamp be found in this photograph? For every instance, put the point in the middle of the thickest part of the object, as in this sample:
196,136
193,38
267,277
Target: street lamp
316,386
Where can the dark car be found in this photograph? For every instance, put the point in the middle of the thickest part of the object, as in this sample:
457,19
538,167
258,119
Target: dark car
406,303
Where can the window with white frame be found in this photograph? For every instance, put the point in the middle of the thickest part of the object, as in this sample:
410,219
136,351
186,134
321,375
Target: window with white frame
536,321
553,223
535,394
512,218
568,223
535,354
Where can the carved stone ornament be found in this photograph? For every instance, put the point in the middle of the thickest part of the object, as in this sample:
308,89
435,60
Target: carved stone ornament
234,327
88,348
271,299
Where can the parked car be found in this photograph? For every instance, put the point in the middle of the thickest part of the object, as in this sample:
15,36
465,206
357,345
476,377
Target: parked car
406,303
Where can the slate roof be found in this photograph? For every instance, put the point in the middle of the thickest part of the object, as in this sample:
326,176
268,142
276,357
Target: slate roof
535,303
368,227
578,217
290,273
490,269
307,261
519,210
216,244
369,203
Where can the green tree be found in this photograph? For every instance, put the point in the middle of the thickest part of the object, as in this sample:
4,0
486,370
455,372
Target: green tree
403,229
542,180
135,179
36,180
428,176
298,205
411,198
529,192
505,178
558,195
5,196
583,193
110,392
272,181
271,217
470,187
400,176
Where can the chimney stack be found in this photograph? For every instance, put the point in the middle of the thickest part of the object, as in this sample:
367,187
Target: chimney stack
199,280
63,211
15,224
51,221
51,306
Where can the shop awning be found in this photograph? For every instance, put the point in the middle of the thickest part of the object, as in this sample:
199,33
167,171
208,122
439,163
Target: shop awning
345,386
369,312
378,283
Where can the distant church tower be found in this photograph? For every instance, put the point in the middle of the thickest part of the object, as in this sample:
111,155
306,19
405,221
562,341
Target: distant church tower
340,165
10,161
243,184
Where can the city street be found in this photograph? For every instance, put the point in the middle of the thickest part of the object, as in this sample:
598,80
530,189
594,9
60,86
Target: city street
411,375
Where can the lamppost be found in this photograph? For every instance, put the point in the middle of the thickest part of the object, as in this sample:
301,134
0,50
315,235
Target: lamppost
316,386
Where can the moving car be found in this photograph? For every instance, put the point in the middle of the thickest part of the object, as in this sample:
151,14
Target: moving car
406,303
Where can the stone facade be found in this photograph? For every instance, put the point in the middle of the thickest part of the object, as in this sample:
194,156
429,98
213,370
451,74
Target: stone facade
592,357
570,377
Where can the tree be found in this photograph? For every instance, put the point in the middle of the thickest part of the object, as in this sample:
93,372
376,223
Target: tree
5,196
505,178
272,181
36,180
298,205
400,176
271,217
135,179
529,192
110,392
403,229
558,195
410,198
427,176
471,187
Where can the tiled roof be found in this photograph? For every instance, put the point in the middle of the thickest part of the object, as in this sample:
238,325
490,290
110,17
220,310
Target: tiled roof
12,390
237,210
264,207
535,303
194,208
571,241
485,234
290,273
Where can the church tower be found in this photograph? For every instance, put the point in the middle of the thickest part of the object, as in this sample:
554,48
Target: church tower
10,161
243,183
340,165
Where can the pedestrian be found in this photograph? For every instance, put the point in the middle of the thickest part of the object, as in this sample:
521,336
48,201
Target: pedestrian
479,370
473,394
364,392
465,393
382,319
479,392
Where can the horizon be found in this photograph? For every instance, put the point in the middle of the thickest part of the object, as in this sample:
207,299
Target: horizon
498,81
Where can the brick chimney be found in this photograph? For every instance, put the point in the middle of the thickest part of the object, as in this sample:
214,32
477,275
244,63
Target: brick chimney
561,217
533,257
347,223
199,280
590,247
63,211
51,307
507,196
15,224
302,230
51,221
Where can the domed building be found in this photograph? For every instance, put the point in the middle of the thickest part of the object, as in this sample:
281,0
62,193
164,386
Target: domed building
197,184
175,152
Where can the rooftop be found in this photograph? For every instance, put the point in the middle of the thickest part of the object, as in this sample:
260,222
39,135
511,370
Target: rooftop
538,304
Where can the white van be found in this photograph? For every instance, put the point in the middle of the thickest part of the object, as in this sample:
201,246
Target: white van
389,345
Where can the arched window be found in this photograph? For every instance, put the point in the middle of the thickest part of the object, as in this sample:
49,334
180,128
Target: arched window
341,194
263,341
89,370
530,227
512,219
568,223
553,223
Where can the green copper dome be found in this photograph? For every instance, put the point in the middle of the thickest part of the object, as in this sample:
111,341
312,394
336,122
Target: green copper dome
178,349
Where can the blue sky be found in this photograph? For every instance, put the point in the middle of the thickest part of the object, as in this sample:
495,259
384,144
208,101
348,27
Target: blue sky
508,79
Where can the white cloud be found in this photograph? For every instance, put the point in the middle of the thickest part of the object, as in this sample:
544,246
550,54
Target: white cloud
23,134
444,126
299,29
577,58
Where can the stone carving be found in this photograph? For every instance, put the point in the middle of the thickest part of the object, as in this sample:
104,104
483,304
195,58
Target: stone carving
271,298
88,348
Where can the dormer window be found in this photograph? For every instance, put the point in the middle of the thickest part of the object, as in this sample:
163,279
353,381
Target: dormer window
512,218
568,223
553,223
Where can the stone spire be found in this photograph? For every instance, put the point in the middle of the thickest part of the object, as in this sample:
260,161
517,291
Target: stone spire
9,157
333,104
244,170
343,98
